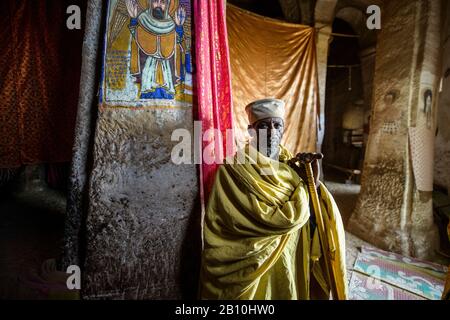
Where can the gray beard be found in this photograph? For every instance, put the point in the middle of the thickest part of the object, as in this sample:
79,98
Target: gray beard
272,149
273,152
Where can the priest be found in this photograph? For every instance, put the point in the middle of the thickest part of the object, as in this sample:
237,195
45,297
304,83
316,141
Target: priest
260,236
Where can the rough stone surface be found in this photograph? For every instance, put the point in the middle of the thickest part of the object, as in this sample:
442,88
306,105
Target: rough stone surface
442,149
130,221
78,182
141,208
391,213
324,11
324,16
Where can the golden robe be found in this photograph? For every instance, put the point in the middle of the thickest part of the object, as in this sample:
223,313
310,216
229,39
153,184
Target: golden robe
257,242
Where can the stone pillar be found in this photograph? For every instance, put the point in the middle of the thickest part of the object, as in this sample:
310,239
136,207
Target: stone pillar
324,16
322,46
84,132
391,212
140,238
139,245
367,58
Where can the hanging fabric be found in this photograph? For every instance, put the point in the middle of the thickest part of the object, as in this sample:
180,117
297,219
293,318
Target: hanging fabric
270,58
40,63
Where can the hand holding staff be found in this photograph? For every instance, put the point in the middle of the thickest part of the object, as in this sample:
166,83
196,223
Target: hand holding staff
310,174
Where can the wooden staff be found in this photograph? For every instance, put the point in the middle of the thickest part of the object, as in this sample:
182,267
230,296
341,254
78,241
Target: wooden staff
330,272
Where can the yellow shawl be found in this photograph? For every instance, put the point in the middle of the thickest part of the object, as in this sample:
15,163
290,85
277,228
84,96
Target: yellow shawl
257,242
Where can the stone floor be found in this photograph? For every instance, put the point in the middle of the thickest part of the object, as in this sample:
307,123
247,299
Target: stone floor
345,196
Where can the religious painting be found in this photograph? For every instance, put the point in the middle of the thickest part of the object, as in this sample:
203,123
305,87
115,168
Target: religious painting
147,60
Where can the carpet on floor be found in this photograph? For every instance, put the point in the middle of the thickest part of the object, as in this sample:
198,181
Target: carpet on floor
382,275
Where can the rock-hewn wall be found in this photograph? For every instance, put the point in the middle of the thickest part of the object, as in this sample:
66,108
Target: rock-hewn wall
84,132
442,151
141,208
391,212
322,46
132,224
338,100
323,15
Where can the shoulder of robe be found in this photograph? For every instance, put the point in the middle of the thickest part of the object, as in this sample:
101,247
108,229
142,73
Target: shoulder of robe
221,173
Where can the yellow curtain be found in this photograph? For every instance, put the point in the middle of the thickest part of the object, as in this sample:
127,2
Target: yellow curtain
270,58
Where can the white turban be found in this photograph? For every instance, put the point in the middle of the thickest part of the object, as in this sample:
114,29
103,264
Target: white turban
265,108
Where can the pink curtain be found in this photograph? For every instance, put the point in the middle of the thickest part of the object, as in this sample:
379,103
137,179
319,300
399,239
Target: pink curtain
213,88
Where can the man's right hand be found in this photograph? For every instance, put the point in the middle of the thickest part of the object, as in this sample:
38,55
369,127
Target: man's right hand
303,158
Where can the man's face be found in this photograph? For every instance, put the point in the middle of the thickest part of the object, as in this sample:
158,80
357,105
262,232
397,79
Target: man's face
269,132
158,8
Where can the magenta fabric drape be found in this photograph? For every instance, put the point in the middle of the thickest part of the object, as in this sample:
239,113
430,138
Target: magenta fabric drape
213,82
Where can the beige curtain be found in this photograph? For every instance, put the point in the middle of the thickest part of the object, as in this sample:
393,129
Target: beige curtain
270,58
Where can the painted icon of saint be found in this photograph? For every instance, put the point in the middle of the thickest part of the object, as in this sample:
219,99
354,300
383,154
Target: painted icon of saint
157,60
